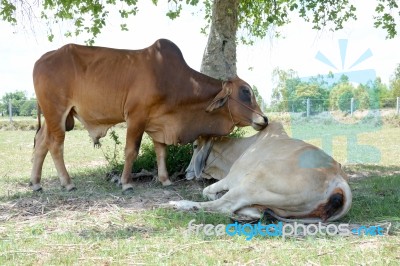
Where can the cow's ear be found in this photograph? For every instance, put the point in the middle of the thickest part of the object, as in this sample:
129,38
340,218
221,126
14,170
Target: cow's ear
199,164
221,97
201,159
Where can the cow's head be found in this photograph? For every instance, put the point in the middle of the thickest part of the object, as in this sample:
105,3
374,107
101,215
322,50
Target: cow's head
238,98
201,151
208,161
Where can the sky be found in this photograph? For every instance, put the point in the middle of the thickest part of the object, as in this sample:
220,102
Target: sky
297,49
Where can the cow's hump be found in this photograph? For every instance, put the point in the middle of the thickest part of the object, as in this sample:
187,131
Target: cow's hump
168,48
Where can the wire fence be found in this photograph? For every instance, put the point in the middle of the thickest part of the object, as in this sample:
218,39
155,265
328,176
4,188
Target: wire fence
27,109
24,109
312,106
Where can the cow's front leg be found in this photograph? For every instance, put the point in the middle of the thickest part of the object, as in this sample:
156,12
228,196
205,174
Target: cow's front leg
133,140
161,152
232,201
211,191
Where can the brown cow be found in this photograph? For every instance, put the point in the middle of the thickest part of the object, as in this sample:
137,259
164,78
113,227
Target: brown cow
152,89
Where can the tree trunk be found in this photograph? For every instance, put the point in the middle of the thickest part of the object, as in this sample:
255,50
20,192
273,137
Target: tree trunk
219,58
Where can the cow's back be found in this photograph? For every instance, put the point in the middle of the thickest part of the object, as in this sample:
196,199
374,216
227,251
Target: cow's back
303,162
101,85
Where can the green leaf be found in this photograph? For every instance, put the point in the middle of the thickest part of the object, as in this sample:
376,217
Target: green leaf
124,27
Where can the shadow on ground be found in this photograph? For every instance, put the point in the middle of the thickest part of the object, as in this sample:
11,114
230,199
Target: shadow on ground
376,197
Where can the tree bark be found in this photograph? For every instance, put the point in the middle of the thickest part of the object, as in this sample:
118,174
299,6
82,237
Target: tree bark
219,58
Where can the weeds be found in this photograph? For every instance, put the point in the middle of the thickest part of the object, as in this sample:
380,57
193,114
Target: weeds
113,155
178,156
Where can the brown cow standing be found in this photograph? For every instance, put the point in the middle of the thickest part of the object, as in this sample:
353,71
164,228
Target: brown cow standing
152,89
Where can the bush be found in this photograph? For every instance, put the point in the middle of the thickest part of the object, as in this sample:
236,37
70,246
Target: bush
178,157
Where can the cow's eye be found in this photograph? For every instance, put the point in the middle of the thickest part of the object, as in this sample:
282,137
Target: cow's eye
195,146
245,94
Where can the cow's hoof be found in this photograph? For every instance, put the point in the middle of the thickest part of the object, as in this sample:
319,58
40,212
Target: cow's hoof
127,189
36,187
211,196
185,205
166,183
207,194
70,187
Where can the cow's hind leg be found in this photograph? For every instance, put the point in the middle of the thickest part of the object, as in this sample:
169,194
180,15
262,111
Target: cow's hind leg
57,124
56,148
39,154
161,152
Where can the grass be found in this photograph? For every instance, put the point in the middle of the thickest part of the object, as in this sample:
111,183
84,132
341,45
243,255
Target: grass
98,225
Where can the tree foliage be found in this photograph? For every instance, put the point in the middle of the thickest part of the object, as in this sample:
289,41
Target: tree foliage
258,97
340,96
395,82
255,16
284,82
28,108
16,98
290,93
381,96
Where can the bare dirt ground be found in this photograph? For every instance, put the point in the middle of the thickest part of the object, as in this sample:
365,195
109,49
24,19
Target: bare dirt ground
148,194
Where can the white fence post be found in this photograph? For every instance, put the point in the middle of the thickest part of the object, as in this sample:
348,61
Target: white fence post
10,110
308,107
398,105
351,106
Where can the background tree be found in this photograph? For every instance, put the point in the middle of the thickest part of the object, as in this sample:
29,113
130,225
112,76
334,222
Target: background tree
380,95
224,18
258,97
361,97
342,93
311,91
16,98
395,83
340,96
28,108
283,88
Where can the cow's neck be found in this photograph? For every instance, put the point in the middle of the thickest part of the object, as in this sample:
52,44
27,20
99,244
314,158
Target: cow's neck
219,122
185,117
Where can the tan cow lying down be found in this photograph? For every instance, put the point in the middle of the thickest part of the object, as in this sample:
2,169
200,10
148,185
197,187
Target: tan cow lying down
269,170
152,89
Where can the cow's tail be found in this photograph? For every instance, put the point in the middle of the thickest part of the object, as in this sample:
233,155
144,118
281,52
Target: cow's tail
338,205
39,114
339,202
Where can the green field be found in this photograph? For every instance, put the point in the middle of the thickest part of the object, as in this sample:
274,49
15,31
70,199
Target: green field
98,225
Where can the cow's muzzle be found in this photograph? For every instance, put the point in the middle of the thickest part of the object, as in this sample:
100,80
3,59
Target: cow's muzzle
190,174
260,122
